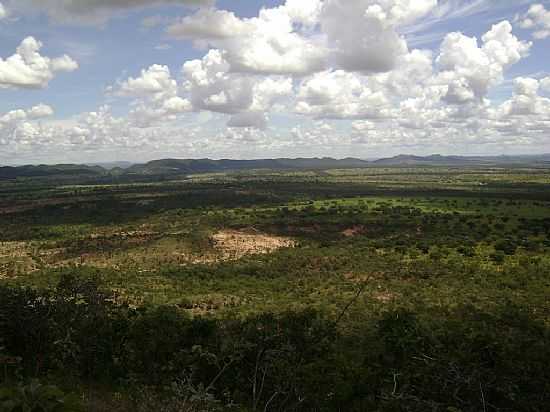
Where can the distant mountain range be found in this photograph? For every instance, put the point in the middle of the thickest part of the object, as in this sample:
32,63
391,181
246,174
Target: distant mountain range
190,166
196,166
9,172
112,165
439,160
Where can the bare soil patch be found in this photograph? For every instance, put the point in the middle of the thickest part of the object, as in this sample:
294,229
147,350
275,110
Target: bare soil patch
354,231
385,297
234,244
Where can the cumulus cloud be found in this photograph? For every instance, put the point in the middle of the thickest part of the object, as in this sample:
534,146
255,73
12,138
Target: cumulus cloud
268,44
25,134
469,70
304,12
410,76
27,68
92,11
35,112
270,91
213,87
526,86
314,62
209,24
365,73
414,86
301,37
339,94
156,96
20,127
101,128
433,98
156,80
213,24
40,111
176,104
207,85
537,19
525,101
362,33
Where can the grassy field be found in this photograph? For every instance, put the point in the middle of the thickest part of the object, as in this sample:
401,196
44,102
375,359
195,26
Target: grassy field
354,246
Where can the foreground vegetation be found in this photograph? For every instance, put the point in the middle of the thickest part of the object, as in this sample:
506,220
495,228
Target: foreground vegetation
382,289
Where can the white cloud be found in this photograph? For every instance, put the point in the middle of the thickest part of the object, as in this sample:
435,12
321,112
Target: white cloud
176,104
269,91
20,127
302,37
526,86
537,19
275,52
415,105
340,95
27,68
101,128
268,44
156,94
305,12
362,33
63,64
208,85
209,24
211,86
410,76
92,11
341,69
525,101
40,111
469,70
156,80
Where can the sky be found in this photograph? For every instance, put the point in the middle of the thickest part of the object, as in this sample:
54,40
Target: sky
85,81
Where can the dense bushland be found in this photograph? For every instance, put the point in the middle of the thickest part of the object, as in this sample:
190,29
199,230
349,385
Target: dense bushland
459,359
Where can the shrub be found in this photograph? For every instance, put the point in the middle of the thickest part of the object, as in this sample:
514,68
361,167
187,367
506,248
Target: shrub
36,397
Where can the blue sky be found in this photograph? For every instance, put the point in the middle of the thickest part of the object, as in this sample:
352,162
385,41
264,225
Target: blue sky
248,78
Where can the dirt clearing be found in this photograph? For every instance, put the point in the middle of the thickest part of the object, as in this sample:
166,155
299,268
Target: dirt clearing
234,244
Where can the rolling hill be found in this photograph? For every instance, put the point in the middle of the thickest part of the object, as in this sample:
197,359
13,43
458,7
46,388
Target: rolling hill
167,167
